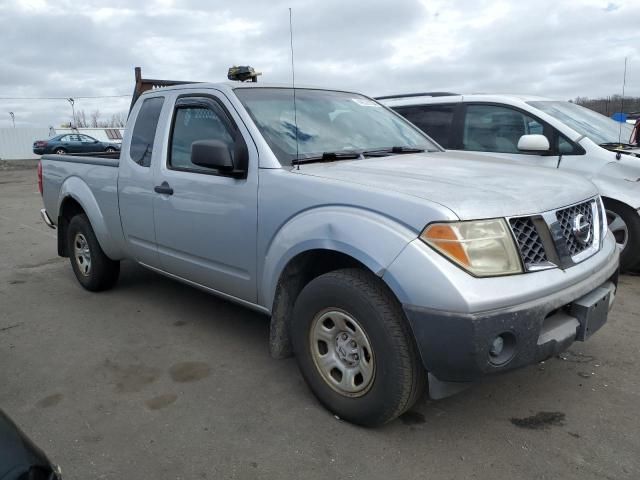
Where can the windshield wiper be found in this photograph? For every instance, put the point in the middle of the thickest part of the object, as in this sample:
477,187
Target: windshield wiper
617,144
383,152
327,157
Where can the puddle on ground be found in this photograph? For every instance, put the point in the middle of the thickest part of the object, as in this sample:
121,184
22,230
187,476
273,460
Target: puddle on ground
50,401
189,371
131,378
540,421
161,401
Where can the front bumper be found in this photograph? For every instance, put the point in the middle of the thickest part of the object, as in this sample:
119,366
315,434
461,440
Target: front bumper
455,317
456,347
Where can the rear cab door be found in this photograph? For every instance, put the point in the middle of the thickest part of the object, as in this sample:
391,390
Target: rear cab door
142,147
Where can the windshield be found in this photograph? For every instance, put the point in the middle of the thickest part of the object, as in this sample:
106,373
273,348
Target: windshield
593,125
328,121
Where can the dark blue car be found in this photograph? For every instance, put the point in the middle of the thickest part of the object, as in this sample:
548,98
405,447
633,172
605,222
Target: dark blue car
73,143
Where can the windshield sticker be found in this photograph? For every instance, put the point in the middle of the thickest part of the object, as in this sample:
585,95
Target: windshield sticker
364,102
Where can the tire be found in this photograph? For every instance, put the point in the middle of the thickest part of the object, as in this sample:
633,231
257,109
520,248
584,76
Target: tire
391,375
59,151
93,269
110,150
624,221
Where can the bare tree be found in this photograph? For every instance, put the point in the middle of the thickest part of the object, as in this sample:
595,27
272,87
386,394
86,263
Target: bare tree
81,119
95,118
610,105
117,120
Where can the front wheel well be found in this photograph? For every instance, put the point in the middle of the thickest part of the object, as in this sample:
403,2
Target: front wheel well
300,270
68,209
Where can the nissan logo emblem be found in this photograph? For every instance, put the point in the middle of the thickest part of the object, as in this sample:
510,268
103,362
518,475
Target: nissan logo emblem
581,229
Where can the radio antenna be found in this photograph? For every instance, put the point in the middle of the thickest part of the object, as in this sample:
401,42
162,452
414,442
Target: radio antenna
624,83
293,85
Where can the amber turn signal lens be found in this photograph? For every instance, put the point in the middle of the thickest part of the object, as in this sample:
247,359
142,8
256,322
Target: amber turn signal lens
485,248
445,238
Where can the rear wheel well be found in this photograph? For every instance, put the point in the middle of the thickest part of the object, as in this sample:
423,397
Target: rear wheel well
68,209
300,270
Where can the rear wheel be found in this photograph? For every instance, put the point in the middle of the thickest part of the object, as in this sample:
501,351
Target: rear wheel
355,349
110,150
59,151
93,269
624,223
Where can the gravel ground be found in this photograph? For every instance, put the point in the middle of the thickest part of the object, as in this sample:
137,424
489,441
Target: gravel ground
156,380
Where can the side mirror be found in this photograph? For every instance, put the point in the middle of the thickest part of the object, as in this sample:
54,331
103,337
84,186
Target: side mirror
212,154
534,143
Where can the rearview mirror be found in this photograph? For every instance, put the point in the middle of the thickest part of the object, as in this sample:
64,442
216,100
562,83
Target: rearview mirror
534,143
212,154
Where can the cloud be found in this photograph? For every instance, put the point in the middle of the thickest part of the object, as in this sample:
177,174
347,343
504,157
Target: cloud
560,49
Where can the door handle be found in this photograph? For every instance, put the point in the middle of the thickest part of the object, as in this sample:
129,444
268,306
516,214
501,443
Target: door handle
163,188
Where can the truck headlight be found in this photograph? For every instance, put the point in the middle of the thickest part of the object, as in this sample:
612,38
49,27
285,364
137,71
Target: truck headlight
485,248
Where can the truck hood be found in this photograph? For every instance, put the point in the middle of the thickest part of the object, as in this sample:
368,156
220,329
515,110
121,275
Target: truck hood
469,185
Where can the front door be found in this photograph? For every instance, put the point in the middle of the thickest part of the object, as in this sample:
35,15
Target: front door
89,144
205,219
494,130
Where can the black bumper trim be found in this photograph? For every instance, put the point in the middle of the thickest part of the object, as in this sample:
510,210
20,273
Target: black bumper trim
455,347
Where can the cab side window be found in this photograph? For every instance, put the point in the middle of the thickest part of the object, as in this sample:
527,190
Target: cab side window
193,123
435,120
492,128
144,131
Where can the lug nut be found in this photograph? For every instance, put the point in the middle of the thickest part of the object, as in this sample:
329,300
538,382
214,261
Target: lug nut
345,336
353,344
356,357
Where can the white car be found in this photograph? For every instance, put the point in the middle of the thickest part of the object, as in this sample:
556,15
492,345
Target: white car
540,131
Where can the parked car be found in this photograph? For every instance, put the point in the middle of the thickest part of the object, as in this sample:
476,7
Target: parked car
381,259
542,132
73,143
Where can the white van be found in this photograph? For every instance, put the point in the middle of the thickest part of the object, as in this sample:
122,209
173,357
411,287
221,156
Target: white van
544,132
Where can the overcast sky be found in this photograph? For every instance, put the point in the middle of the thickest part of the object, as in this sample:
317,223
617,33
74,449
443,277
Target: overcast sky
561,49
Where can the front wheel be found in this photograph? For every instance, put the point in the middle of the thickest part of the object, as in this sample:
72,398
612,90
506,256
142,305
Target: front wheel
59,151
110,150
93,269
355,349
624,223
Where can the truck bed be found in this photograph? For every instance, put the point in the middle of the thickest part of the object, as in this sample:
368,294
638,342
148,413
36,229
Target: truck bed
92,181
98,158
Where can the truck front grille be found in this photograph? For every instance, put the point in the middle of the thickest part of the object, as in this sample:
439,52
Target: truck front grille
558,238
566,218
529,241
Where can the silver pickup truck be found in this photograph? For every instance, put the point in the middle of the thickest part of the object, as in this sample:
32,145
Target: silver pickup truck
383,261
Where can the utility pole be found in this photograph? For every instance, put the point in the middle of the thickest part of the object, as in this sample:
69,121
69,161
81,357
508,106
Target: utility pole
73,111
13,119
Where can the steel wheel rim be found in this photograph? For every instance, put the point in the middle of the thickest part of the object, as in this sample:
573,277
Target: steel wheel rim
342,352
82,254
619,229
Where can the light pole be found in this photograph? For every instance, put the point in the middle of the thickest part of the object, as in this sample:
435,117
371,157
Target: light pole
13,119
73,110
